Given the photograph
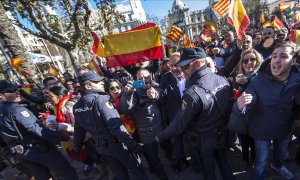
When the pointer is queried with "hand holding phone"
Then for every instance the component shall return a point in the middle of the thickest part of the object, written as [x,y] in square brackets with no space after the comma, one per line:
[138,84]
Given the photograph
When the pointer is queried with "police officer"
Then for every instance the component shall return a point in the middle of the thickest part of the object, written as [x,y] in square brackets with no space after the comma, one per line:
[30,141]
[202,113]
[94,113]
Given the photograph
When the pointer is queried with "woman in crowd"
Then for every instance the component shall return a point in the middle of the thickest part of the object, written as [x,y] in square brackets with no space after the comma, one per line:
[247,69]
[114,88]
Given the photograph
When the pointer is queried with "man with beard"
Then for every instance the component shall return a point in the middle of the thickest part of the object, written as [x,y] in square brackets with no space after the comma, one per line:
[270,113]
[266,48]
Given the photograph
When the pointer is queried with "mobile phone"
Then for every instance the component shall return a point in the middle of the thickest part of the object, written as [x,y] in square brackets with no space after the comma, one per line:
[138,84]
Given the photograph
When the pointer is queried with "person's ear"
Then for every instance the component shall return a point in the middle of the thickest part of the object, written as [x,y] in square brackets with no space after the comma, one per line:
[198,63]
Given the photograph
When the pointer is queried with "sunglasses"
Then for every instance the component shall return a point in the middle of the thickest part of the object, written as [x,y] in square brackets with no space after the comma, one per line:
[245,61]
[113,88]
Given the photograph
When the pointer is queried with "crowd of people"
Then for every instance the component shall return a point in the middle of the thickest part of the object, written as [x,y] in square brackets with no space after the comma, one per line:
[184,107]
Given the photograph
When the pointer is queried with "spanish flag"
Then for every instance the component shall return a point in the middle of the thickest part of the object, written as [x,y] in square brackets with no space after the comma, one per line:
[239,18]
[26,88]
[221,8]
[53,71]
[262,17]
[266,24]
[277,24]
[97,48]
[174,34]
[94,66]
[295,36]
[209,26]
[16,63]
[133,47]
[23,72]
[283,6]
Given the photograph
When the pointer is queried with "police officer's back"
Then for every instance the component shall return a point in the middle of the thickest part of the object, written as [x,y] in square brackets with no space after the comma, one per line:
[202,113]
[29,140]
[94,113]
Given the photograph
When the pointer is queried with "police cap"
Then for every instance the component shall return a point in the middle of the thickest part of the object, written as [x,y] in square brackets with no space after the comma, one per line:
[91,76]
[190,54]
[7,87]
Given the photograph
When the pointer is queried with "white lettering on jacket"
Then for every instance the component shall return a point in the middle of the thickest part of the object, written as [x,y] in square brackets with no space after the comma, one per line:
[81,109]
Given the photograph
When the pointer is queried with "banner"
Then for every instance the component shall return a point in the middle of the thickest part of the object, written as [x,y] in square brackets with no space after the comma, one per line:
[221,8]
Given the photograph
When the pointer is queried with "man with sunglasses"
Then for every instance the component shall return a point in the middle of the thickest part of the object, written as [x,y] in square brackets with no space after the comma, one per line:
[29,141]
[94,113]
[204,107]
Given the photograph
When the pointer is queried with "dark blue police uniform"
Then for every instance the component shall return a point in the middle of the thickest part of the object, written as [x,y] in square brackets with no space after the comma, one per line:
[94,113]
[202,116]
[19,127]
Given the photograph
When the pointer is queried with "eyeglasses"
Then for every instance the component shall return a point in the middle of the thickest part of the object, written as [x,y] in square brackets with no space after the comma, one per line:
[245,61]
[113,88]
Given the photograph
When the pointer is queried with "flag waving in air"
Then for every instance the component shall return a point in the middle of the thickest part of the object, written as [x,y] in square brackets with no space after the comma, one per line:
[262,17]
[221,8]
[174,34]
[295,36]
[238,17]
[283,6]
[133,47]
[97,48]
[277,23]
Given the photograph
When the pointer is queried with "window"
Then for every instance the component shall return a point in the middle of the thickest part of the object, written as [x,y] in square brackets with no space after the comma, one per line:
[192,20]
[199,18]
[130,17]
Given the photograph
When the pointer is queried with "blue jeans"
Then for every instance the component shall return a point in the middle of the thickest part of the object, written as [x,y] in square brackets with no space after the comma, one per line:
[262,148]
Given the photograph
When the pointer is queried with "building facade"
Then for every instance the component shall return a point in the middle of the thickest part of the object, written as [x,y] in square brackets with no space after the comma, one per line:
[189,21]
[133,13]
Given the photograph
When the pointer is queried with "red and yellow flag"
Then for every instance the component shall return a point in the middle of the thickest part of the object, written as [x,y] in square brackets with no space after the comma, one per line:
[266,24]
[26,88]
[16,62]
[53,71]
[262,17]
[283,6]
[23,72]
[187,42]
[174,34]
[97,48]
[277,24]
[221,8]
[239,18]
[209,26]
[133,47]
[94,66]
[295,36]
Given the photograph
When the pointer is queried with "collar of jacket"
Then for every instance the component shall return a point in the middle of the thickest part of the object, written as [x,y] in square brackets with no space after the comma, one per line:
[92,91]
[199,73]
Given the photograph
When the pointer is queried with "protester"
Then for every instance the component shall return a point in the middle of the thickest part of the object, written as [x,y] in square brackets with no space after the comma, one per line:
[270,112]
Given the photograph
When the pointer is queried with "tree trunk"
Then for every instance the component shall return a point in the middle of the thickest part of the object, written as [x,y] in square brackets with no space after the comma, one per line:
[12,41]
[73,53]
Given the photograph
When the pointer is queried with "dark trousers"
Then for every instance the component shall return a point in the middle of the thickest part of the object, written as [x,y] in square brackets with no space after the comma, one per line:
[246,143]
[123,165]
[151,154]
[211,151]
[41,161]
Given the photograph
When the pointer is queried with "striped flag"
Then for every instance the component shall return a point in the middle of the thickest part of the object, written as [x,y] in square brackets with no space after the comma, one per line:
[26,88]
[133,47]
[295,36]
[262,16]
[221,8]
[187,42]
[283,6]
[97,48]
[16,63]
[266,24]
[239,18]
[23,72]
[209,26]
[277,24]
[174,34]
[94,66]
